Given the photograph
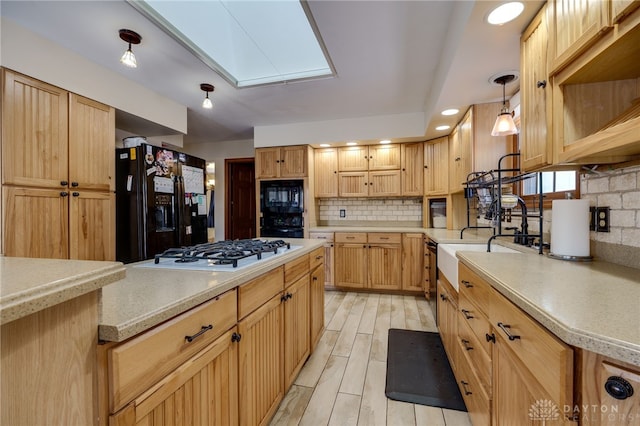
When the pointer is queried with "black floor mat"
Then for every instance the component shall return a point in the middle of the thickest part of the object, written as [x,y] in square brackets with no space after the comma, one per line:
[418,371]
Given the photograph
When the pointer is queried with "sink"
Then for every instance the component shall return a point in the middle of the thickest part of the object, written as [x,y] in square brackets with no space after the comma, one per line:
[448,262]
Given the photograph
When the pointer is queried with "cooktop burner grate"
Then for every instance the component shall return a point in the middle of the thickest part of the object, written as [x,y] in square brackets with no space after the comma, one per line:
[226,252]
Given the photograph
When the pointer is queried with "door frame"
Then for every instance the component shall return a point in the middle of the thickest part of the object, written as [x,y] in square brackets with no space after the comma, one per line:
[227,190]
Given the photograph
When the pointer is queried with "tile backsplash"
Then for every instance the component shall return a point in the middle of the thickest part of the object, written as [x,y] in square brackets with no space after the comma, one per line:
[370,210]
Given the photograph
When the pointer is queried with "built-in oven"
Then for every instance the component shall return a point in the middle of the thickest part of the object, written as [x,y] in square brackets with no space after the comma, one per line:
[432,248]
[282,209]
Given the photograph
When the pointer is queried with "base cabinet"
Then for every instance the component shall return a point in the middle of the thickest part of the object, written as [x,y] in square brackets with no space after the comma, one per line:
[448,320]
[296,328]
[316,296]
[202,391]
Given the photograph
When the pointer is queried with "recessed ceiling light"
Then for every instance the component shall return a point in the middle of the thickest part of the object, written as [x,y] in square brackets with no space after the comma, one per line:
[325,145]
[450,111]
[443,127]
[352,143]
[505,13]
[385,141]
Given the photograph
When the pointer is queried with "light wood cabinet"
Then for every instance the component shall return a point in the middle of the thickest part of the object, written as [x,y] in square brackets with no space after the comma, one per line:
[202,391]
[57,149]
[487,149]
[578,23]
[353,159]
[326,172]
[620,9]
[317,304]
[447,318]
[384,261]
[351,260]
[281,162]
[384,157]
[461,153]
[353,184]
[260,360]
[535,90]
[329,255]
[436,166]
[297,335]
[384,184]
[412,177]
[413,262]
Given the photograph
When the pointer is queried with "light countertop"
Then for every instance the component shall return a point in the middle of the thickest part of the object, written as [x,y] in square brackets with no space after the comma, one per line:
[147,297]
[30,285]
[449,236]
[592,305]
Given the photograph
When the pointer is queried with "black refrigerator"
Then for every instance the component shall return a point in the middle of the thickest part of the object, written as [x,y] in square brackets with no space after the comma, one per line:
[160,201]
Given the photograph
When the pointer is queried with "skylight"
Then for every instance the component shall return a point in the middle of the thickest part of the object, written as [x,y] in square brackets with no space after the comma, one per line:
[249,43]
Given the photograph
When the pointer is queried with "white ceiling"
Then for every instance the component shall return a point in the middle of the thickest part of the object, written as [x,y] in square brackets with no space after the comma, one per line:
[390,57]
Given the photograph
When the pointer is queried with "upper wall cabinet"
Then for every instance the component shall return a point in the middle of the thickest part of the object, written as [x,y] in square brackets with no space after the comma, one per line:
[578,23]
[35,120]
[373,157]
[535,93]
[461,153]
[596,115]
[411,177]
[281,162]
[436,166]
[326,172]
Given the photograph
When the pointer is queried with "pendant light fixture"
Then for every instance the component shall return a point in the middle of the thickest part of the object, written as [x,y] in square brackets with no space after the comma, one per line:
[128,58]
[504,123]
[206,103]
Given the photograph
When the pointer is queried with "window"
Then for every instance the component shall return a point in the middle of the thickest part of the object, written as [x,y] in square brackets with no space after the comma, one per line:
[555,185]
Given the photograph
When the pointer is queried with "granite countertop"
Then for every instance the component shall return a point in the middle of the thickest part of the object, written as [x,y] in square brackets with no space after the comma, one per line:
[440,235]
[591,305]
[147,296]
[30,285]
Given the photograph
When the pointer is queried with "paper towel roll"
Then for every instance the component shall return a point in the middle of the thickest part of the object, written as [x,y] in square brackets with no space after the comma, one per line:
[570,227]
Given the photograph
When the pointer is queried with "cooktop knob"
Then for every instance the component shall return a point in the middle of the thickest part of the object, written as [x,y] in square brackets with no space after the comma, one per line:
[618,387]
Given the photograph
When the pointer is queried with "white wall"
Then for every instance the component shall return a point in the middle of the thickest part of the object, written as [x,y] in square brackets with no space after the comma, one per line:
[408,125]
[217,152]
[35,56]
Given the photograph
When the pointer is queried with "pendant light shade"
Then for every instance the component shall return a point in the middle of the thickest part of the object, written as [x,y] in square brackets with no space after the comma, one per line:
[504,123]
[128,58]
[206,103]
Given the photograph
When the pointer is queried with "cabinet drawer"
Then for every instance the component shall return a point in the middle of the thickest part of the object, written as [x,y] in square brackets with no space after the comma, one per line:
[477,290]
[476,400]
[316,258]
[545,355]
[326,236]
[295,269]
[476,321]
[255,293]
[472,348]
[142,361]
[384,238]
[351,237]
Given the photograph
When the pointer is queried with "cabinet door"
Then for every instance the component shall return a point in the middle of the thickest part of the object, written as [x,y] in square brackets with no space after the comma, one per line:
[485,149]
[384,157]
[455,159]
[535,143]
[353,159]
[35,132]
[326,172]
[578,23]
[462,161]
[384,267]
[92,128]
[353,184]
[267,163]
[351,265]
[293,161]
[436,167]
[36,222]
[261,387]
[412,179]
[384,183]
[92,226]
[317,304]
[448,323]
[202,391]
[296,328]
[412,262]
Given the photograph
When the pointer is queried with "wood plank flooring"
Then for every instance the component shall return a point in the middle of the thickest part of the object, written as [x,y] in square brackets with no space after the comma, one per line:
[343,381]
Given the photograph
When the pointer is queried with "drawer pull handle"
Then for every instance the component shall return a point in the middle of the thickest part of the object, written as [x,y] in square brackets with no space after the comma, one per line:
[349,238]
[318,257]
[203,330]
[504,328]
[465,343]
[467,314]
[464,386]
[618,387]
[384,238]
[443,297]
[490,337]
[467,284]
[235,337]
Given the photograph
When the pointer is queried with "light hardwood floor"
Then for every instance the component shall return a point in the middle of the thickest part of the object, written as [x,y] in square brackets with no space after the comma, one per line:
[343,382]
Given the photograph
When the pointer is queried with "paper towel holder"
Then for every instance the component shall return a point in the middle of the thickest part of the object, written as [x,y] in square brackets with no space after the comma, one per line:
[571,258]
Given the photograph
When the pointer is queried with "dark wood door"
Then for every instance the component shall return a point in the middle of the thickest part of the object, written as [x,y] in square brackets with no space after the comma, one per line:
[240,215]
